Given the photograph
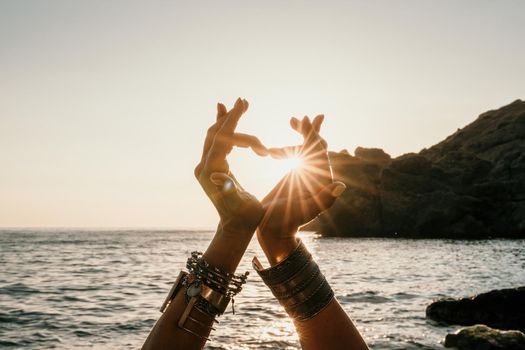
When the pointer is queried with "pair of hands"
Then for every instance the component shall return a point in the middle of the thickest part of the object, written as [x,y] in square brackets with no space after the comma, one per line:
[298,198]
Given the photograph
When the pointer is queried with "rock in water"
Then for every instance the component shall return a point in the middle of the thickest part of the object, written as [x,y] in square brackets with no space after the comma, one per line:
[481,337]
[503,309]
[470,185]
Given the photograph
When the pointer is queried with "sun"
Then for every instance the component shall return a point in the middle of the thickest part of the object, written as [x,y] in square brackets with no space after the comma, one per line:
[293,163]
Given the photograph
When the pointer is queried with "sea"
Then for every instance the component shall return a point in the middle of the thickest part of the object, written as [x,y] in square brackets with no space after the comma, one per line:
[102,289]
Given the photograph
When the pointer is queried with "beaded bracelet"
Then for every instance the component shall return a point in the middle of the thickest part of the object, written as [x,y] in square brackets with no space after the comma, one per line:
[297,283]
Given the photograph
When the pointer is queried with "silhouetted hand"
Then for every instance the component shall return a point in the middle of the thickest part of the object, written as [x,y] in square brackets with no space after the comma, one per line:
[301,195]
[239,211]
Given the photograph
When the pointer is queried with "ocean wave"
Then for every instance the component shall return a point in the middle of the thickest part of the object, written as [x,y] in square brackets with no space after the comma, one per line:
[364,297]
[18,290]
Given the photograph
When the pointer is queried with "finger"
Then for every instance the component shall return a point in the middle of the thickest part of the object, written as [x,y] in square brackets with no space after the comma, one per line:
[285,152]
[308,130]
[314,143]
[323,200]
[221,110]
[223,141]
[240,107]
[303,127]
[313,151]
[212,131]
[245,141]
[210,135]
[317,122]
[295,124]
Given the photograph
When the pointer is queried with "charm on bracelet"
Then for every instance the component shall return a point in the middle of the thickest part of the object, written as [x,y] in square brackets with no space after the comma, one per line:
[208,290]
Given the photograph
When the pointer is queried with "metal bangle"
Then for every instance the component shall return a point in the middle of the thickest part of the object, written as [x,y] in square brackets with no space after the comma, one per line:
[313,306]
[298,284]
[287,290]
[208,290]
[218,300]
[285,269]
[221,281]
[177,285]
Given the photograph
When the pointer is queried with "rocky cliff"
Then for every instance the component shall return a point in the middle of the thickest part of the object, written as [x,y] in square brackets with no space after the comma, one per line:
[470,185]
[502,309]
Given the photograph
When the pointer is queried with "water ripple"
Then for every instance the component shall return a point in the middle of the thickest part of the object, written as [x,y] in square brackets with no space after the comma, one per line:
[102,289]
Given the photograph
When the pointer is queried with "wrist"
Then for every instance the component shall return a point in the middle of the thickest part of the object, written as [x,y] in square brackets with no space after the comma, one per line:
[227,248]
[276,248]
[238,227]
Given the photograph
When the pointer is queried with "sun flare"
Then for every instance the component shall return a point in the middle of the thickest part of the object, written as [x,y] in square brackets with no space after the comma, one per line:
[293,163]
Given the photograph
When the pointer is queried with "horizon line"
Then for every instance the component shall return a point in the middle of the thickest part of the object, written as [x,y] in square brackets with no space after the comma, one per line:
[106,228]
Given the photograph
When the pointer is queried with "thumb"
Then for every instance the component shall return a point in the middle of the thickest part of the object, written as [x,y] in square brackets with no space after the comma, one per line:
[226,183]
[322,200]
[231,196]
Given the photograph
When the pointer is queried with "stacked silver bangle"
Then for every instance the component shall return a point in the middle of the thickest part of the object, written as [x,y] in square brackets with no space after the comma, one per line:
[224,282]
[207,290]
[298,284]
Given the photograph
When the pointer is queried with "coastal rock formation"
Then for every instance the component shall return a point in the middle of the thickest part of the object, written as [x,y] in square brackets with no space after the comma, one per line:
[485,338]
[470,185]
[503,309]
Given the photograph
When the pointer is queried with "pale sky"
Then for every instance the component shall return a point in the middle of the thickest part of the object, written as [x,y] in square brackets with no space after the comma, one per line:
[104,104]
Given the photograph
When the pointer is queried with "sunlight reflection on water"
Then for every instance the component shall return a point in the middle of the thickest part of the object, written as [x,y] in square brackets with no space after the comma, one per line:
[100,289]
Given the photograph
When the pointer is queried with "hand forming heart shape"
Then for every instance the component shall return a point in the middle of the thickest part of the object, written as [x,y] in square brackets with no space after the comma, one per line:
[298,198]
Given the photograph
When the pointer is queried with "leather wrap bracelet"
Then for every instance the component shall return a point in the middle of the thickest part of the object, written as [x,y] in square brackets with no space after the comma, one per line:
[297,283]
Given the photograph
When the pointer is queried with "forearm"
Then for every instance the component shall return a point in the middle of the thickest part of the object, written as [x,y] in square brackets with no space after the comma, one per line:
[329,329]
[166,334]
[227,248]
[320,321]
[224,252]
